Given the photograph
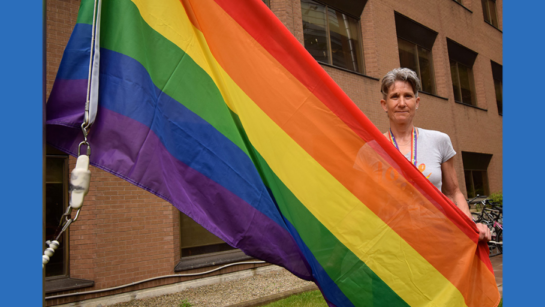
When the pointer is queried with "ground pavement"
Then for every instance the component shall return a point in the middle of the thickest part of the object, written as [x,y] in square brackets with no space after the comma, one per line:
[265,285]
[497,264]
[257,289]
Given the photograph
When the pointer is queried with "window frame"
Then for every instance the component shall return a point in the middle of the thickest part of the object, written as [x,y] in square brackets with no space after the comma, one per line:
[497,76]
[471,84]
[199,246]
[487,13]
[59,283]
[207,259]
[486,188]
[466,57]
[418,72]
[498,84]
[328,39]
[474,162]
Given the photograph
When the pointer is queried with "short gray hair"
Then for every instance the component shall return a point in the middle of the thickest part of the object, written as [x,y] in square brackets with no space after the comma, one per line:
[399,74]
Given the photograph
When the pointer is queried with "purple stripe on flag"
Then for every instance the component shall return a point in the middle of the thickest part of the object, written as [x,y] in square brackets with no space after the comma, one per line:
[67,101]
[142,160]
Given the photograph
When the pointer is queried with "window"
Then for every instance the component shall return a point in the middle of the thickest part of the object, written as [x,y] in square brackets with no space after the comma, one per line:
[56,202]
[267,2]
[196,240]
[332,37]
[415,42]
[497,74]
[418,59]
[200,248]
[489,12]
[462,82]
[461,63]
[476,176]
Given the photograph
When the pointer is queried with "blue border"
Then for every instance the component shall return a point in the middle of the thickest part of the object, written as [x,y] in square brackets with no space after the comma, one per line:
[21,130]
[524,116]
[21,85]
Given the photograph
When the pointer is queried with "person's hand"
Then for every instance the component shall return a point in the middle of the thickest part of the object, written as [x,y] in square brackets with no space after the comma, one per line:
[484,232]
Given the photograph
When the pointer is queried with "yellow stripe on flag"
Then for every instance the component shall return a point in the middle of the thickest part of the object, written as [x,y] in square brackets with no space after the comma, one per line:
[401,267]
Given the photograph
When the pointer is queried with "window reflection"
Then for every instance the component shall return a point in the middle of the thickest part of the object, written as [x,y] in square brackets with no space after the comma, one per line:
[331,38]
[314,30]
[462,83]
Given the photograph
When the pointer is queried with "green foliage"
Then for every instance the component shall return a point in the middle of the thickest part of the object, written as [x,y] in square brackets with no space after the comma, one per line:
[305,299]
[185,303]
[497,198]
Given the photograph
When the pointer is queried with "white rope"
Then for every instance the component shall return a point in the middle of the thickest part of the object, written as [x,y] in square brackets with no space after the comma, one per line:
[91,102]
[81,176]
[93,95]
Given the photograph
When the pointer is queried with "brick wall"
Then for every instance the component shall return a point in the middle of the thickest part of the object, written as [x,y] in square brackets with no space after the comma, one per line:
[61,18]
[470,129]
[124,233]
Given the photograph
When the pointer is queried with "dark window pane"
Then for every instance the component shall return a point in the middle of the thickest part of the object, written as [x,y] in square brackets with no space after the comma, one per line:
[343,32]
[499,96]
[466,83]
[55,198]
[455,81]
[197,240]
[267,2]
[426,70]
[469,184]
[314,30]
[492,9]
[476,176]
[485,10]
[407,54]
[480,182]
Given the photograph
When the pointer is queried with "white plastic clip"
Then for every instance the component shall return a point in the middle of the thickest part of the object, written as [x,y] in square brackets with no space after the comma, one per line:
[79,182]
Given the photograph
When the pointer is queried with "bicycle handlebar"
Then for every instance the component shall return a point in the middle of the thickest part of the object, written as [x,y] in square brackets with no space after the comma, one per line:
[478,196]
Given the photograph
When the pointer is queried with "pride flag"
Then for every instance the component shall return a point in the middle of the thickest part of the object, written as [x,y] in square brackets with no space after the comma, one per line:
[215,107]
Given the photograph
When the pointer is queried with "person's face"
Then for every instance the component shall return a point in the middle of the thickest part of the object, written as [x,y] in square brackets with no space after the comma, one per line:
[401,103]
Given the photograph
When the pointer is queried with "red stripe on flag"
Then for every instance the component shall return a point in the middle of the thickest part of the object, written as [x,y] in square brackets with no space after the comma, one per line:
[287,50]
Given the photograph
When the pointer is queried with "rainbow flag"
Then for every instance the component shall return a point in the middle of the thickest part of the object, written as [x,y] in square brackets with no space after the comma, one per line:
[215,107]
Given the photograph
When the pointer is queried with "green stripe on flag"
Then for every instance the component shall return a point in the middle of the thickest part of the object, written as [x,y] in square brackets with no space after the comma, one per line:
[175,72]
[355,279]
[85,13]
[171,69]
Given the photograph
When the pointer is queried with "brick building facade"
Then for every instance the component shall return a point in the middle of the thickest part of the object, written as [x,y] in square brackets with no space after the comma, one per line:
[125,234]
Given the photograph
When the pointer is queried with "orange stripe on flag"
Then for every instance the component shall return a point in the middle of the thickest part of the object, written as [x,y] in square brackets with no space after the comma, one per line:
[335,146]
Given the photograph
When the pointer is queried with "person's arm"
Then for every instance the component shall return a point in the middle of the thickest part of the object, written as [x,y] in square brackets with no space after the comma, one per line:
[452,191]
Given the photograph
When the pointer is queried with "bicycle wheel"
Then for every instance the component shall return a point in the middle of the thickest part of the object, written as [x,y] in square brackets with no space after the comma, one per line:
[496,245]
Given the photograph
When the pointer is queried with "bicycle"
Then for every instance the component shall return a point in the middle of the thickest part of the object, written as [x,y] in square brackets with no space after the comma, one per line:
[495,245]
[492,216]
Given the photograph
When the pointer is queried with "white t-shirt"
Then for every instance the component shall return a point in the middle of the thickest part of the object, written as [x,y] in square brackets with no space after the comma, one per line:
[433,148]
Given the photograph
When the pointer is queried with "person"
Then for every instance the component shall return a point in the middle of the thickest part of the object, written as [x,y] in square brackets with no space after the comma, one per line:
[432,152]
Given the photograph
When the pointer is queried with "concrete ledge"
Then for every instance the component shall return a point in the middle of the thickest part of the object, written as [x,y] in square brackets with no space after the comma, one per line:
[201,261]
[169,289]
[275,297]
[64,284]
